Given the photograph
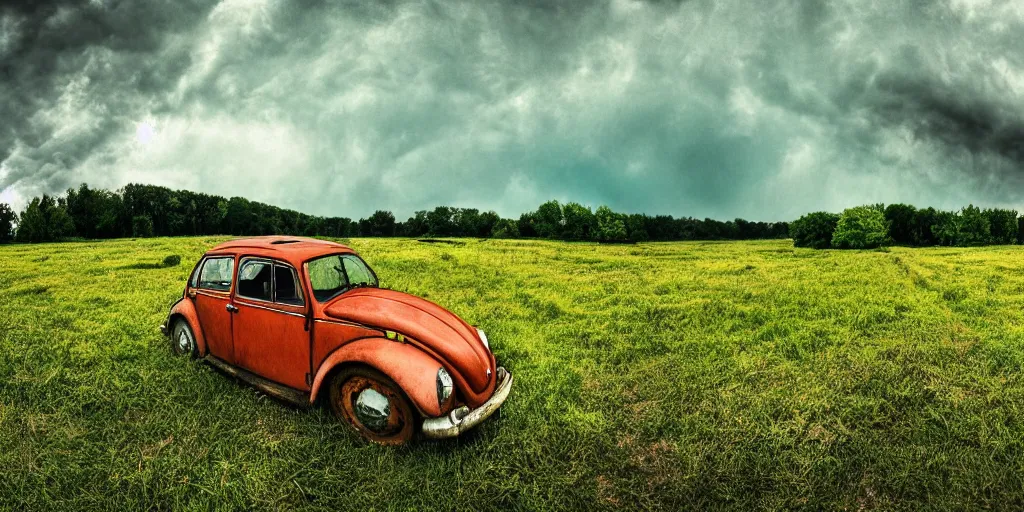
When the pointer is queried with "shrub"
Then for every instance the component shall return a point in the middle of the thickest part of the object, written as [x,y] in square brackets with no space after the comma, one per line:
[814,230]
[861,227]
[172,261]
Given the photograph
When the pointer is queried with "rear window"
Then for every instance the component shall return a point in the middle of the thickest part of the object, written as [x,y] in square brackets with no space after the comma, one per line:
[254,280]
[286,286]
[269,281]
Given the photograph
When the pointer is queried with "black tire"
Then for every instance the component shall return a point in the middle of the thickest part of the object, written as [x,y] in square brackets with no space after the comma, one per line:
[183,340]
[346,387]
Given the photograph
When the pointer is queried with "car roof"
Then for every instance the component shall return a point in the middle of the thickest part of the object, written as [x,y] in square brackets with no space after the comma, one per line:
[294,250]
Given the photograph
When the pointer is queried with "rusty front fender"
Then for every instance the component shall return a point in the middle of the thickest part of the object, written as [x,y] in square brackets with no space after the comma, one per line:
[186,309]
[412,369]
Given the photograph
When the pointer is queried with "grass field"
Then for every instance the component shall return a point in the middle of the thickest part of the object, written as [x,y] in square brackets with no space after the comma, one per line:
[656,376]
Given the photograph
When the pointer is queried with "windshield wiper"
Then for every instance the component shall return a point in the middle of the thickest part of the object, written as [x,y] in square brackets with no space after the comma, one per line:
[362,285]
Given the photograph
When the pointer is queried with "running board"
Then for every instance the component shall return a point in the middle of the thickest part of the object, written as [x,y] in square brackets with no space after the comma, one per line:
[279,391]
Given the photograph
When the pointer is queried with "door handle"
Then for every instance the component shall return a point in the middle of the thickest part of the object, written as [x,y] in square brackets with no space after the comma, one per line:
[232,308]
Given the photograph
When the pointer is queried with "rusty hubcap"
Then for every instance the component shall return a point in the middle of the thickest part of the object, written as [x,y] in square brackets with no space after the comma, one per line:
[373,410]
[368,404]
[184,343]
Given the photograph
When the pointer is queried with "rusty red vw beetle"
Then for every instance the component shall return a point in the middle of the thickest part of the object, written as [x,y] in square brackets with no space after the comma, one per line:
[301,318]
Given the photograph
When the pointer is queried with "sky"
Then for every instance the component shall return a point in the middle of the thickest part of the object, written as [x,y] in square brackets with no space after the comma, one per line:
[762,110]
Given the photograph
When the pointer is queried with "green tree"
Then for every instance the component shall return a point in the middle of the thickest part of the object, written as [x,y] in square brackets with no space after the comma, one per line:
[32,224]
[60,223]
[238,217]
[505,228]
[316,225]
[439,221]
[946,228]
[901,223]
[548,220]
[861,227]
[338,227]
[925,220]
[465,221]
[611,227]
[579,223]
[1002,226]
[527,225]
[7,221]
[381,223]
[486,224]
[974,227]
[636,227]
[142,226]
[416,225]
[814,230]
[968,227]
[44,220]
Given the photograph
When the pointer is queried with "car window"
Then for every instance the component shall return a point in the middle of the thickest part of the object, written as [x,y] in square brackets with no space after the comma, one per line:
[286,286]
[193,278]
[357,271]
[254,279]
[332,275]
[326,276]
[216,274]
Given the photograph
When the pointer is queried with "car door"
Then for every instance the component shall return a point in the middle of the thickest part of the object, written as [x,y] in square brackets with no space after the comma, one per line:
[212,298]
[269,326]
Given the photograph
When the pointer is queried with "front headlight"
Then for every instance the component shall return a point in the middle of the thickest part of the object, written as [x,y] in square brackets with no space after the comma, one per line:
[444,386]
[483,337]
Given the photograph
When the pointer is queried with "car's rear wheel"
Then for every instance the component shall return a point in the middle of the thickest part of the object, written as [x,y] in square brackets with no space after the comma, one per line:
[373,404]
[183,340]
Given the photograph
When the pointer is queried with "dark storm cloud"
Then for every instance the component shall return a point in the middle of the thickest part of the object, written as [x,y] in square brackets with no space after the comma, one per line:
[113,56]
[943,113]
[692,107]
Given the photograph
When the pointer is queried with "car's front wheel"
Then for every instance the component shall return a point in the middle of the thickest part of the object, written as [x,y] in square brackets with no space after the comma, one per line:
[373,404]
[183,340]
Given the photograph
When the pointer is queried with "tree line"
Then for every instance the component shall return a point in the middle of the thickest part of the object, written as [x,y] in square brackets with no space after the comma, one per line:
[148,210]
[866,227]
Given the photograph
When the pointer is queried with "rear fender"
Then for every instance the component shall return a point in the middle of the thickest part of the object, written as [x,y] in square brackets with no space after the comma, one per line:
[412,369]
[185,309]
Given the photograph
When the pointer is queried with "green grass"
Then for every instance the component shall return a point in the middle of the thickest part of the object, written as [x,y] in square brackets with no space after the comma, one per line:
[656,376]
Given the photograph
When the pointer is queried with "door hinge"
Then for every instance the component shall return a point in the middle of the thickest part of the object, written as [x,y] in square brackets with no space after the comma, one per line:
[309,379]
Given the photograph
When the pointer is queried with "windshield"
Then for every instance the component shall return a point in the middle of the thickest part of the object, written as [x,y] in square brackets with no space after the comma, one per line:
[332,275]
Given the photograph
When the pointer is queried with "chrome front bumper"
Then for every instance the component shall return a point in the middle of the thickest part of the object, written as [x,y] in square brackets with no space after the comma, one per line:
[463,419]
